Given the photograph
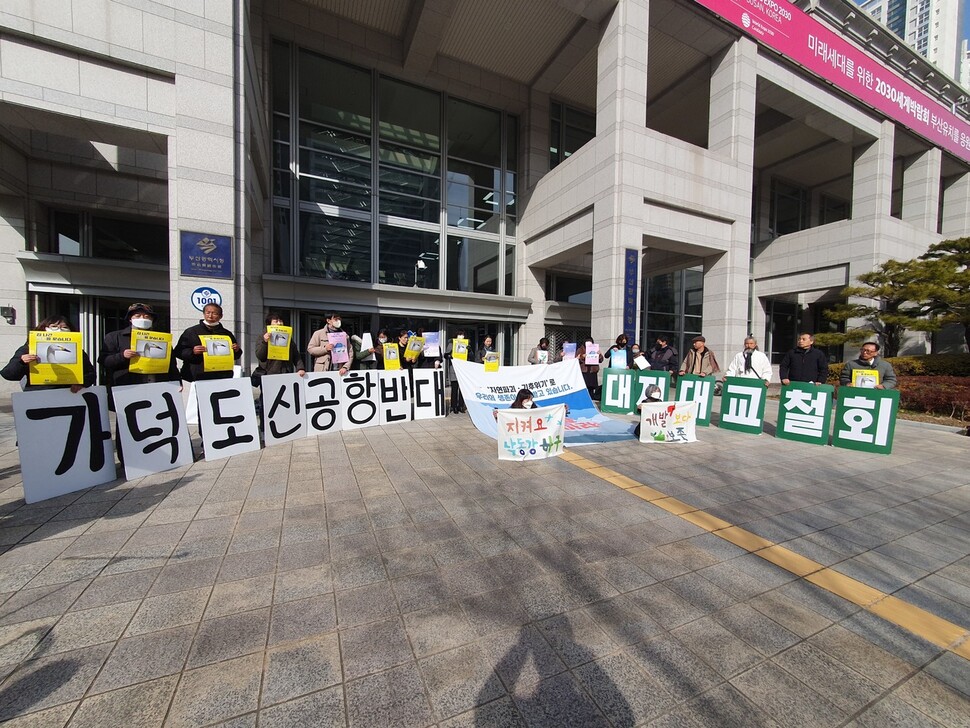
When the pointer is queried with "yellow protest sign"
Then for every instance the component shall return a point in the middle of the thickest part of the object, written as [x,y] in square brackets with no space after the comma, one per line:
[59,357]
[459,349]
[865,378]
[414,348]
[279,342]
[491,361]
[392,356]
[154,350]
[217,356]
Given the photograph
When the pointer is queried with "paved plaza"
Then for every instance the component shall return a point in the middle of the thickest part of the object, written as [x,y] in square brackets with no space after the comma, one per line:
[403,576]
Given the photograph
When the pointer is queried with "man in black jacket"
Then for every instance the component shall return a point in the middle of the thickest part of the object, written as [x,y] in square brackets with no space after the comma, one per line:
[804,363]
[116,352]
[189,347]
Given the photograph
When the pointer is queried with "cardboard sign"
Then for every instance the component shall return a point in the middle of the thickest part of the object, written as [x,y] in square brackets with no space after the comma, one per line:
[743,405]
[340,353]
[531,434]
[805,412]
[218,354]
[414,348]
[865,419]
[392,356]
[64,441]
[278,346]
[428,390]
[618,359]
[865,378]
[492,361]
[542,356]
[284,402]
[152,428]
[640,361]
[592,355]
[227,417]
[569,351]
[324,407]
[668,422]
[459,349]
[366,344]
[154,349]
[59,357]
[695,388]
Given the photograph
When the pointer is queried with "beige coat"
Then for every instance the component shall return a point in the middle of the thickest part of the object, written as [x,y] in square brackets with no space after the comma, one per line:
[317,348]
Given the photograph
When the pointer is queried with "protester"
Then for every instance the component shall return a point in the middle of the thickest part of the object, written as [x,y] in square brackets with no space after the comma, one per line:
[699,360]
[381,339]
[804,363]
[540,353]
[523,400]
[750,363]
[651,394]
[425,361]
[265,365]
[116,354]
[402,344]
[589,371]
[321,347]
[662,356]
[457,398]
[622,343]
[869,359]
[190,349]
[19,365]
[487,347]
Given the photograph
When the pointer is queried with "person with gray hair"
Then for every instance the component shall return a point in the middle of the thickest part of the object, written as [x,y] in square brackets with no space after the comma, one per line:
[750,363]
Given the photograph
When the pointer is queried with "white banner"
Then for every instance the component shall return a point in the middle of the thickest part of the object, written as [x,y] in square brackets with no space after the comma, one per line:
[531,434]
[227,417]
[284,402]
[64,441]
[152,429]
[668,422]
[559,383]
[428,390]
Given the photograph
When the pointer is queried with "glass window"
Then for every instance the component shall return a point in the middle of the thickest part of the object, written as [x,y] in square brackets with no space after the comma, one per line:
[67,233]
[509,270]
[408,257]
[569,129]
[281,78]
[833,210]
[410,115]
[789,208]
[474,133]
[282,258]
[334,248]
[662,293]
[142,242]
[472,265]
[693,292]
[334,94]
[326,192]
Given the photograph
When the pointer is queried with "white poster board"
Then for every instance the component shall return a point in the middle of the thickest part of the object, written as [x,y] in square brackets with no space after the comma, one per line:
[531,434]
[64,441]
[227,417]
[360,398]
[152,428]
[324,403]
[284,405]
[428,390]
[663,422]
[395,397]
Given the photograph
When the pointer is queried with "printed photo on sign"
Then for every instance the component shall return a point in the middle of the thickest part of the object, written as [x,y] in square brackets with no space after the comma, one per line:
[569,351]
[459,349]
[592,354]
[865,378]
[278,344]
[668,422]
[64,441]
[284,400]
[395,398]
[392,356]
[152,428]
[491,361]
[59,357]
[324,403]
[340,353]
[432,344]
[531,434]
[227,417]
[414,348]
[154,349]
[218,354]
[428,389]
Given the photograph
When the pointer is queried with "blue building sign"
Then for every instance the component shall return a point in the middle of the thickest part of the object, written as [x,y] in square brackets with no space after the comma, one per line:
[631,270]
[206,256]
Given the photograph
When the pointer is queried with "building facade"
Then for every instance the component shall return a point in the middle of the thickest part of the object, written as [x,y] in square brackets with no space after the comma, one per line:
[516,170]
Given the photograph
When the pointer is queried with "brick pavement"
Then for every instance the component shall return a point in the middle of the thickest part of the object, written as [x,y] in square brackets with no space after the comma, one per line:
[403,576]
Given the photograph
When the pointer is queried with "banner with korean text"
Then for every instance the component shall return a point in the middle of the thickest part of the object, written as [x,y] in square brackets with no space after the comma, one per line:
[623,390]
[805,412]
[865,419]
[743,405]
[668,422]
[531,434]
[152,429]
[695,388]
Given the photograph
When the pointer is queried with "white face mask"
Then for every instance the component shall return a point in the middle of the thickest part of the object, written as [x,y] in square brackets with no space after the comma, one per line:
[382,339]
[335,324]
[141,323]
[56,328]
[527,404]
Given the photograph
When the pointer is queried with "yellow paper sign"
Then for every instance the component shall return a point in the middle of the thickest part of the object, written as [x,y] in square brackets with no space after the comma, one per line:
[218,354]
[459,349]
[491,361]
[279,342]
[154,350]
[865,378]
[392,356]
[414,348]
[59,355]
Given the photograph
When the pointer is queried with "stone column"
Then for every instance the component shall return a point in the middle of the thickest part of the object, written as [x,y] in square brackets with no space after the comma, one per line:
[956,207]
[872,176]
[921,189]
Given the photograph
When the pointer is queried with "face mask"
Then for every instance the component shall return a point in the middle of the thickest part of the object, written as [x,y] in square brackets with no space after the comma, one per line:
[527,404]
[336,324]
[635,352]
[56,329]
[141,323]
[210,324]
[382,340]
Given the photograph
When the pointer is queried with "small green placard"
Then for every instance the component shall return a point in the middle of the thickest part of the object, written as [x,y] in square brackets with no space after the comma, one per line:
[743,405]
[805,412]
[617,392]
[694,388]
[865,419]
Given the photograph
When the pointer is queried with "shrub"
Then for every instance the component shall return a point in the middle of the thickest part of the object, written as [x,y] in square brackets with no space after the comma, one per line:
[938,395]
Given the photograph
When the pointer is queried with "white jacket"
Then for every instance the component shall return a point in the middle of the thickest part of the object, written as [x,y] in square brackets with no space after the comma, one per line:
[760,364]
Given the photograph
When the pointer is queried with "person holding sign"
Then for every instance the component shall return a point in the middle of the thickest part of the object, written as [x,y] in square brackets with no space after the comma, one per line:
[619,354]
[136,354]
[208,349]
[868,371]
[328,346]
[27,360]
[276,353]
[750,363]
[590,358]
[540,353]
[486,348]
[457,349]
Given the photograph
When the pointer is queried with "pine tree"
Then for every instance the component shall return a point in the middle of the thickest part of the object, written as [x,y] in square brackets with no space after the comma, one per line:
[945,296]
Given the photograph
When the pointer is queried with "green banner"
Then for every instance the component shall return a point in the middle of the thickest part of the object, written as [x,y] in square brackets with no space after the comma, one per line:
[617,392]
[865,419]
[694,388]
[743,405]
[805,412]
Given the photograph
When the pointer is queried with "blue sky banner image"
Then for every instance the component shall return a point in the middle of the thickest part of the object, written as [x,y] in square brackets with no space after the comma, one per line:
[551,384]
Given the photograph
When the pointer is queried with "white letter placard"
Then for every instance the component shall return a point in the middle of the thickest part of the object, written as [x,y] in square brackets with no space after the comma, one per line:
[361,398]
[152,428]
[64,441]
[428,391]
[395,397]
[531,434]
[324,405]
[227,417]
[284,416]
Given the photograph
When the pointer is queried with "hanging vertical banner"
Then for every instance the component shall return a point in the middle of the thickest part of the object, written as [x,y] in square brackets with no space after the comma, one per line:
[227,417]
[64,441]
[278,345]
[743,405]
[324,408]
[695,388]
[531,434]
[152,429]
[428,390]
[617,392]
[668,422]
[631,272]
[865,419]
[805,412]
[395,396]
[284,405]
[218,355]
[658,378]
[360,398]
[59,357]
